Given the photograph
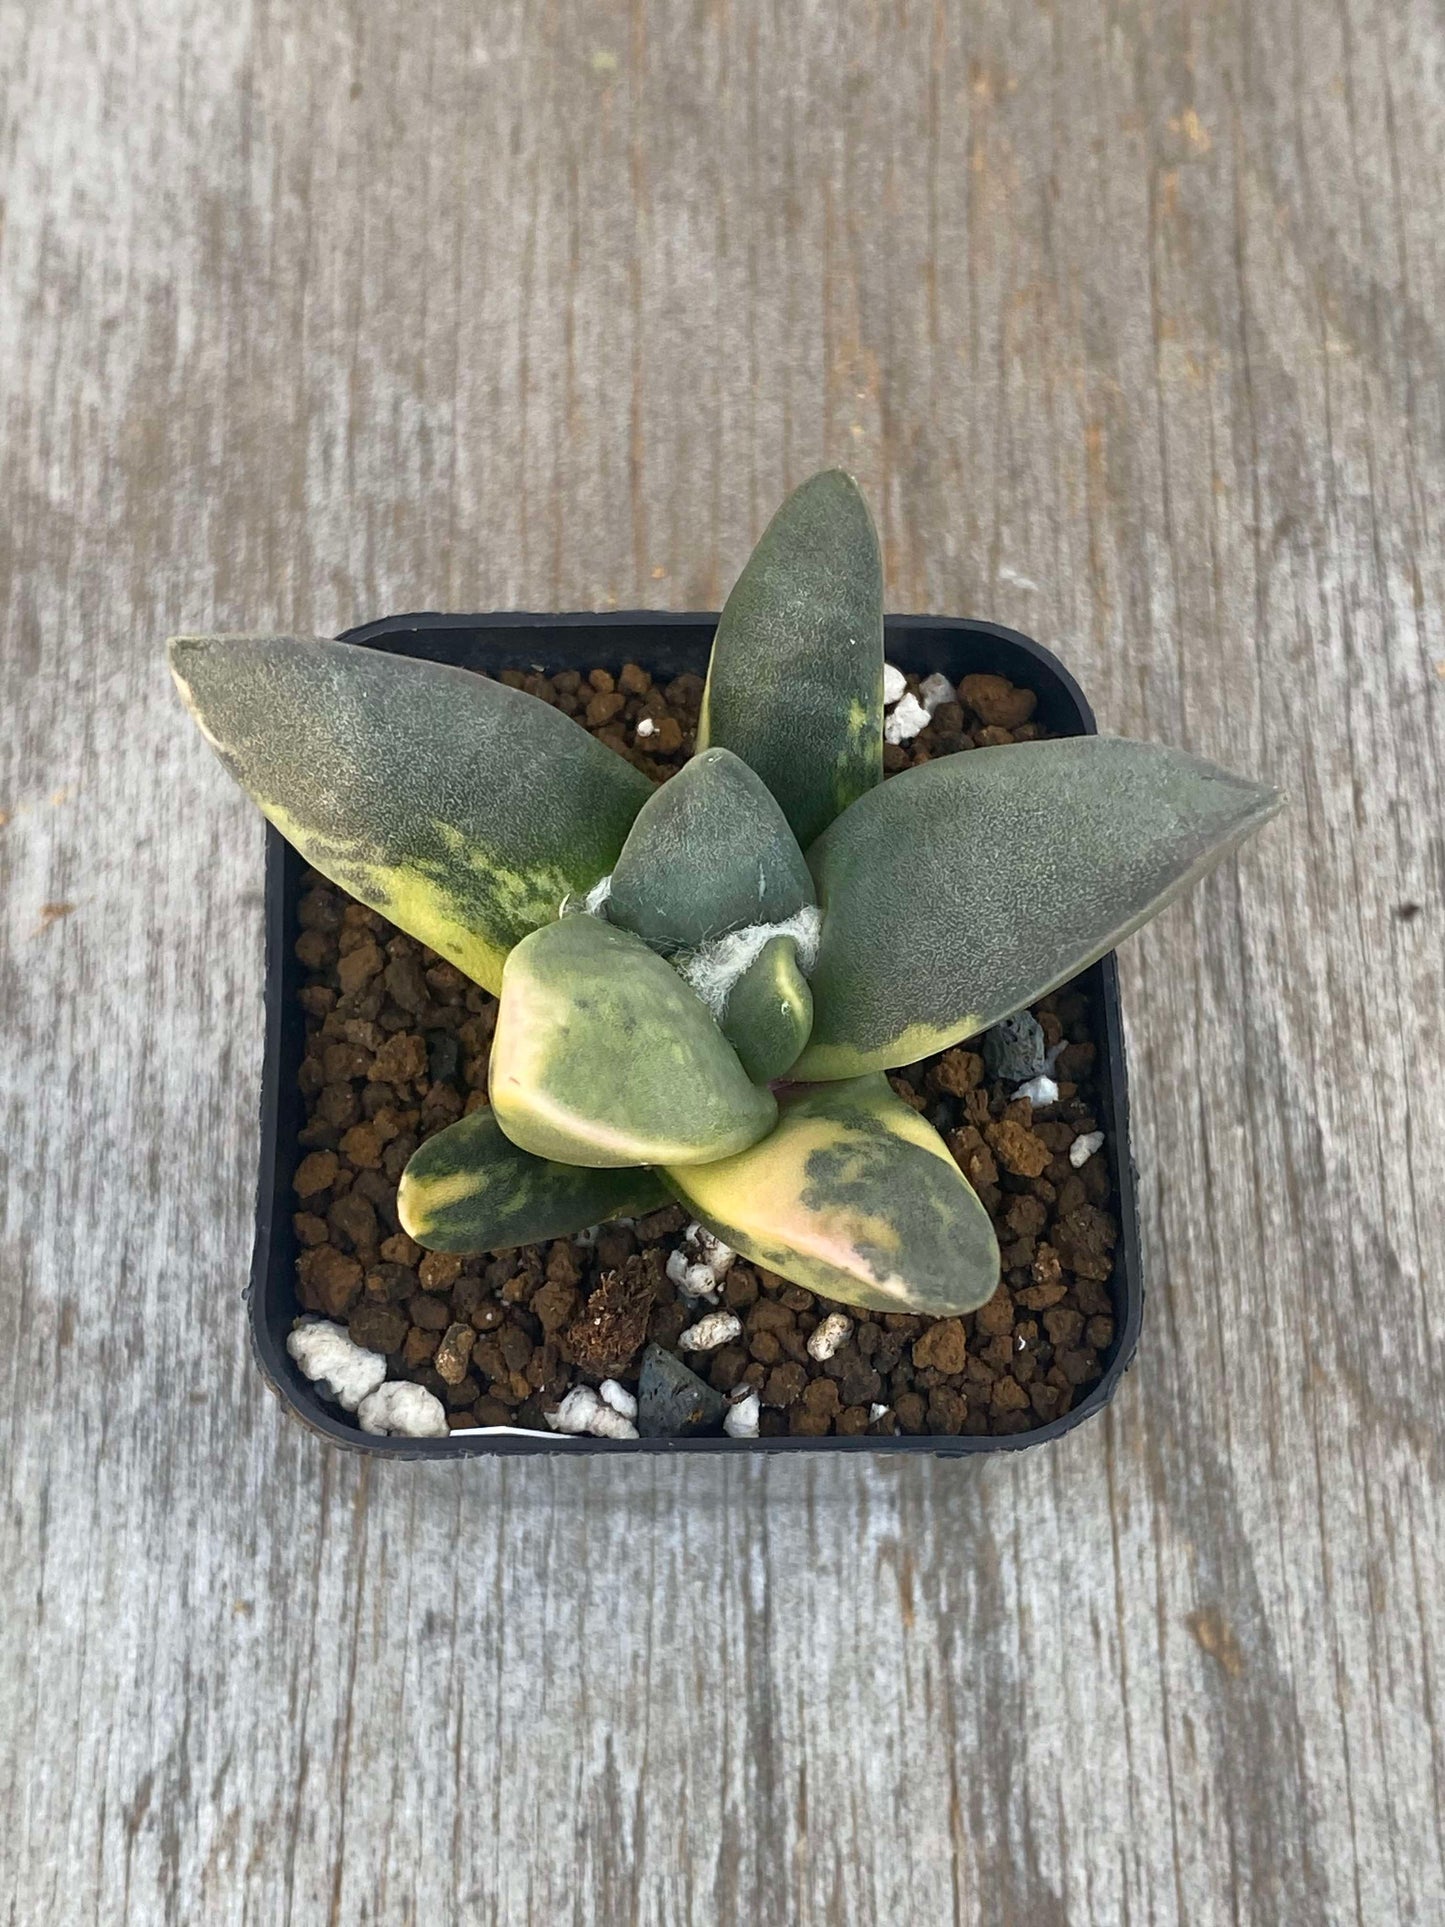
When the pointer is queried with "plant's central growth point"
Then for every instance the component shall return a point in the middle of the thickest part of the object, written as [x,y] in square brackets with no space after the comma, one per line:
[714,969]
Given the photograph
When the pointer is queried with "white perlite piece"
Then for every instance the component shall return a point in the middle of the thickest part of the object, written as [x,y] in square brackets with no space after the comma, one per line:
[1083,1148]
[934,692]
[894,684]
[876,1412]
[583,1411]
[740,1421]
[576,1412]
[408,1411]
[601,1416]
[608,1424]
[692,1279]
[713,968]
[343,1370]
[711,1251]
[647,727]
[1039,1091]
[618,1397]
[718,1328]
[904,722]
[829,1335]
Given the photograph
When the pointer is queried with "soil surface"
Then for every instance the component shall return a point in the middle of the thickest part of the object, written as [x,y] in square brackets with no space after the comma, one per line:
[397,1046]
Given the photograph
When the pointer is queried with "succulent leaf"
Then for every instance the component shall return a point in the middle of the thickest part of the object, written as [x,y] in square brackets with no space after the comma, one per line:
[603,1056]
[470,1188]
[769,1012]
[710,852]
[795,684]
[853,1196]
[972,885]
[461,809]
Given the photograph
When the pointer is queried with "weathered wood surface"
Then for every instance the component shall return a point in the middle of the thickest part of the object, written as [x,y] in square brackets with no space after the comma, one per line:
[1129,319]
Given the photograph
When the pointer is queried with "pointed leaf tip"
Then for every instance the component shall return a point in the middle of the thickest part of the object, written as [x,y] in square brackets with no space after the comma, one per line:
[970,886]
[470,1188]
[463,810]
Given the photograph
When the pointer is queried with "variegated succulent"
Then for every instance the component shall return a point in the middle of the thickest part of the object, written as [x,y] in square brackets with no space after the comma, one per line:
[702,985]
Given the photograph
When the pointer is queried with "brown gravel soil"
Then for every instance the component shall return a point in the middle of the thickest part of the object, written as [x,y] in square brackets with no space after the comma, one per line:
[397,1046]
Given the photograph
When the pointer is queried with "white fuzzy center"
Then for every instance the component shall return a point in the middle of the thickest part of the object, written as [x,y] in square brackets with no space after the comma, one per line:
[713,968]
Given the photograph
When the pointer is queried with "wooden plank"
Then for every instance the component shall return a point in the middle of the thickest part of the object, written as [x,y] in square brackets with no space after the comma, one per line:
[1128,319]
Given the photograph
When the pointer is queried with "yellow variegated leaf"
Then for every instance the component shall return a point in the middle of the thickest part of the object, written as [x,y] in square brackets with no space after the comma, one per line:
[853,1196]
[604,1056]
[463,810]
[470,1188]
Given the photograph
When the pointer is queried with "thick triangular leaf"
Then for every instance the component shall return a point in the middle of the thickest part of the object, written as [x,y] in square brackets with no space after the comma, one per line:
[853,1196]
[470,1188]
[968,887]
[769,1012]
[603,1056]
[710,852]
[795,685]
[461,809]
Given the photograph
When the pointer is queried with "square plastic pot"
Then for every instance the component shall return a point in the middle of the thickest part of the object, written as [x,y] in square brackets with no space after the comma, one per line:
[666,646]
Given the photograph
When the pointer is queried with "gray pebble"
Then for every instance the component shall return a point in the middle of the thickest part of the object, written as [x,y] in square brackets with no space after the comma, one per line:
[1015,1050]
[672,1401]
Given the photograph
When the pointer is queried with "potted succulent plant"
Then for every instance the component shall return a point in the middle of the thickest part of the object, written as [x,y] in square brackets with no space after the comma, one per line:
[707,993]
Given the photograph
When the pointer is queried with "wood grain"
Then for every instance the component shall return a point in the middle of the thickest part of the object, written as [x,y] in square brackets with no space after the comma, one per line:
[1128,318]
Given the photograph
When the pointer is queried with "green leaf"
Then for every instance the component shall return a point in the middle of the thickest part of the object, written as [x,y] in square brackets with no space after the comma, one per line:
[461,809]
[853,1196]
[968,887]
[710,852]
[603,1056]
[795,685]
[769,1011]
[469,1188]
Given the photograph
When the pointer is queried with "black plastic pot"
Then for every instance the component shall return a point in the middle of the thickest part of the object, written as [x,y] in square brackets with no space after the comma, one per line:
[666,645]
